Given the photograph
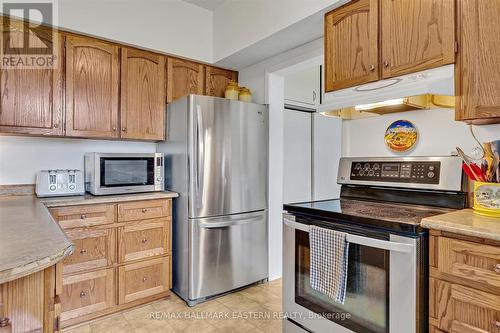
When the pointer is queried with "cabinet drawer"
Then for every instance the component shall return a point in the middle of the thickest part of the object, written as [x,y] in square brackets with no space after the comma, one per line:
[92,249]
[143,279]
[470,261]
[146,239]
[139,210]
[87,293]
[83,216]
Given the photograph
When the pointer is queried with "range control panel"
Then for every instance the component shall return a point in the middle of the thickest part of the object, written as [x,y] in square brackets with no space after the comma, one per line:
[400,172]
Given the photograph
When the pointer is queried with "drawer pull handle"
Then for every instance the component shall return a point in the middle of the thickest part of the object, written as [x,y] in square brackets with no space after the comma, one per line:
[497,268]
[144,241]
[497,324]
[83,216]
[144,279]
[4,322]
[144,210]
[372,68]
[386,64]
[82,294]
[83,251]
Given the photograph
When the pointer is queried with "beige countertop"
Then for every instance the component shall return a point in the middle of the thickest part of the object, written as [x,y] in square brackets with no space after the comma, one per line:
[465,222]
[30,239]
[89,199]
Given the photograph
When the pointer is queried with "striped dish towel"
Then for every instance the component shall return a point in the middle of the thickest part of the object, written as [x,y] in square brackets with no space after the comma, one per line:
[329,256]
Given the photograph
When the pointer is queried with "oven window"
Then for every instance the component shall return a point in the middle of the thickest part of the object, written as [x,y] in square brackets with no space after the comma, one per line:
[129,171]
[366,307]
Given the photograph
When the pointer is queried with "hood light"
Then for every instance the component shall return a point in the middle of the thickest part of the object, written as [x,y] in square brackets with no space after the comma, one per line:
[391,102]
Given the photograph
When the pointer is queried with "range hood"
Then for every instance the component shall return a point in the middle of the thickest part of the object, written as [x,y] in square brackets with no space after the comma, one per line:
[423,90]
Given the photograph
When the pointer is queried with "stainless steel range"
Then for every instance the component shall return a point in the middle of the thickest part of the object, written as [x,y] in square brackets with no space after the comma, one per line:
[380,208]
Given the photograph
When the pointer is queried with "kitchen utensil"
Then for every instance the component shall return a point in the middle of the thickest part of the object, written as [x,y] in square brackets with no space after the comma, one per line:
[488,162]
[475,170]
[468,171]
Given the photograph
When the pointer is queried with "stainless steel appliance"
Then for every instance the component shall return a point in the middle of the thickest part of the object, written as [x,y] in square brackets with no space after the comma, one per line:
[216,159]
[56,183]
[381,205]
[116,173]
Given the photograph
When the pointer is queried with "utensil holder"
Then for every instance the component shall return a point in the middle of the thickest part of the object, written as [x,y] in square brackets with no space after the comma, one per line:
[487,199]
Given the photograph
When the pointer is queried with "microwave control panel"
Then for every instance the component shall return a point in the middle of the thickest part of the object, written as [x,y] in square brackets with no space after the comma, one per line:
[398,172]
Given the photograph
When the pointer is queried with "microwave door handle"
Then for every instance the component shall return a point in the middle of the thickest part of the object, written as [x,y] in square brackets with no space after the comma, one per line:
[360,240]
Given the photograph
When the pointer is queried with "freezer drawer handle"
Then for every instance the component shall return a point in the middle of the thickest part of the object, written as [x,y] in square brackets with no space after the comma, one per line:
[366,241]
[231,223]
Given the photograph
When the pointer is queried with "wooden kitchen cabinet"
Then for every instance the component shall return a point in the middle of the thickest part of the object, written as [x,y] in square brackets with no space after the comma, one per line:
[184,77]
[477,73]
[464,284]
[416,35]
[217,79]
[31,99]
[143,89]
[351,45]
[92,88]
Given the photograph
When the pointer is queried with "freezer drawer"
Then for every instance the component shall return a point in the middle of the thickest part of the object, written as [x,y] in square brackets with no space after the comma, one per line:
[226,253]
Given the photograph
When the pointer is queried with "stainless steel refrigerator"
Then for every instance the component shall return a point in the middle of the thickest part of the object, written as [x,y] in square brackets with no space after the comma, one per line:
[216,158]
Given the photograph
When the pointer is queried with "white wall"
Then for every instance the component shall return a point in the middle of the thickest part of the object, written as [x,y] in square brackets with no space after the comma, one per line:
[22,157]
[241,23]
[172,26]
[439,134]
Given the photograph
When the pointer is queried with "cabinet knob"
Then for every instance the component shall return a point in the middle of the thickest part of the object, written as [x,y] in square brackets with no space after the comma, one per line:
[82,294]
[83,251]
[497,268]
[124,129]
[56,125]
[144,279]
[497,324]
[4,322]
[386,63]
[372,68]
[144,210]
[144,241]
[83,216]
[114,129]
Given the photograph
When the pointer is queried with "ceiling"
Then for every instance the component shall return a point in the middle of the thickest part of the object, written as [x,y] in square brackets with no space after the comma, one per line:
[207,4]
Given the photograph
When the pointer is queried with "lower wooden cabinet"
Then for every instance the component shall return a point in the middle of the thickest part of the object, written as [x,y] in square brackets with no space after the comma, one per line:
[143,279]
[121,257]
[464,288]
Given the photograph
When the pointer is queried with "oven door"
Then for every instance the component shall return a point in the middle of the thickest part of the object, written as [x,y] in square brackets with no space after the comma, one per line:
[381,286]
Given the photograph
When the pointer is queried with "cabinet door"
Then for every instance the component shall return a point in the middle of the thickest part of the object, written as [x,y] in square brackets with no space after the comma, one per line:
[351,50]
[143,89]
[184,78]
[92,84]
[30,99]
[462,309]
[303,89]
[478,64]
[216,80]
[416,35]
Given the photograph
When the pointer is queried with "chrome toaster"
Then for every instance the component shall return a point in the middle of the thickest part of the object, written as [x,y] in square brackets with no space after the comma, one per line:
[56,183]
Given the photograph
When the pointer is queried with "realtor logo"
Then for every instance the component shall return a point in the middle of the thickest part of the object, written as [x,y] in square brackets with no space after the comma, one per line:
[28,40]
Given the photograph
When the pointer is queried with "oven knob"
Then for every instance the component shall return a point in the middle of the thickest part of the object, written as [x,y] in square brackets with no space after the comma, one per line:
[367,166]
[71,187]
[52,188]
[361,173]
[159,179]
[358,166]
[376,166]
[430,174]
[371,173]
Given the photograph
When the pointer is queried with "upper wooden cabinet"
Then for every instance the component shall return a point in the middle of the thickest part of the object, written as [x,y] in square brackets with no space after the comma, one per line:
[216,80]
[413,36]
[351,45]
[416,35]
[184,77]
[92,73]
[30,99]
[477,72]
[143,91]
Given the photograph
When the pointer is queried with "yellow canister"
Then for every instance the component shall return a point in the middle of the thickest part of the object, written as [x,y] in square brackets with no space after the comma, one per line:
[232,90]
[487,199]
[245,95]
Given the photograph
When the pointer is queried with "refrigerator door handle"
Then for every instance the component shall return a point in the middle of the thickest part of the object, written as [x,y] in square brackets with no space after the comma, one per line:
[200,155]
[231,223]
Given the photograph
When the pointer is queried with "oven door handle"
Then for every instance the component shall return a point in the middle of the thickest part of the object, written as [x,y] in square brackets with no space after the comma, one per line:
[366,241]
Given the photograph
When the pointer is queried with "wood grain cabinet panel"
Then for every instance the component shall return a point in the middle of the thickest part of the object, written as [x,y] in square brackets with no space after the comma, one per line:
[184,77]
[93,248]
[83,216]
[217,79]
[477,73]
[143,89]
[351,45]
[145,239]
[143,279]
[416,35]
[470,261]
[140,210]
[465,310]
[87,293]
[31,99]
[92,85]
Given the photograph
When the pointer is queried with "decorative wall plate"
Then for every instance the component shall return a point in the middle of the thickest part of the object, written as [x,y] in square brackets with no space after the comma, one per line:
[401,136]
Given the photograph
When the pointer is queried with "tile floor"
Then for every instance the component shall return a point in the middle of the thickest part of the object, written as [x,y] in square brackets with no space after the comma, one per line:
[254,309]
